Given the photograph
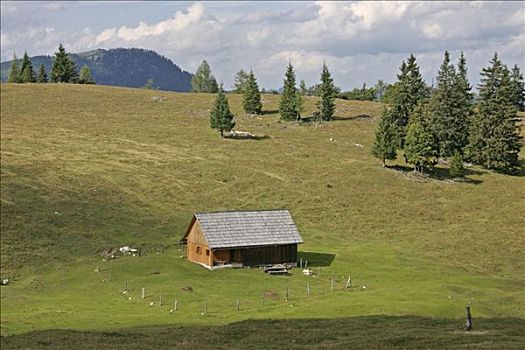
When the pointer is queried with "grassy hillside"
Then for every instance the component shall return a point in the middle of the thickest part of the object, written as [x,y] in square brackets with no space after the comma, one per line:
[88,167]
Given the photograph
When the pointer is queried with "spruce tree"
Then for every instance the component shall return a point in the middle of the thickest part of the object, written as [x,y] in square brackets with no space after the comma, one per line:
[408,92]
[85,75]
[385,142]
[289,107]
[252,96]
[42,74]
[27,75]
[495,140]
[241,79]
[14,72]
[203,79]
[221,118]
[64,69]
[420,146]
[326,105]
[462,79]
[518,88]
[449,111]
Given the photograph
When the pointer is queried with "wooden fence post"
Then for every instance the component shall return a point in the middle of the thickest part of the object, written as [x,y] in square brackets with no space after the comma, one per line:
[205,305]
[308,287]
[348,283]
[160,300]
[126,287]
[175,305]
[286,295]
[143,292]
[332,284]
[237,306]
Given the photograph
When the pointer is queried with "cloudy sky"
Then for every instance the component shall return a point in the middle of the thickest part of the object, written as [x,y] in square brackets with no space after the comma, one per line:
[360,41]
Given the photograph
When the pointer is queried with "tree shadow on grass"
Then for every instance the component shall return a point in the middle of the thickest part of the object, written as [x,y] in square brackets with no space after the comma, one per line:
[361,332]
[316,259]
[438,174]
[247,137]
[269,111]
[354,117]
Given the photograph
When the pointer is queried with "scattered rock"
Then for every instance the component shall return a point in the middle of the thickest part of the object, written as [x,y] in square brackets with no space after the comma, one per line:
[187,289]
[158,98]
[359,145]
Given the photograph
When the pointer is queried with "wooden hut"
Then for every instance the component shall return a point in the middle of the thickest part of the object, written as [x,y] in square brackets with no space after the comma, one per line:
[242,238]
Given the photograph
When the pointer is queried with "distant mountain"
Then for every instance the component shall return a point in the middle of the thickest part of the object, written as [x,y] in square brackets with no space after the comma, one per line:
[122,67]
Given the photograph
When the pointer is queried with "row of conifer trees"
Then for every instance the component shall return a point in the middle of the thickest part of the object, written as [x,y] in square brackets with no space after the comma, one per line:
[63,70]
[291,103]
[445,122]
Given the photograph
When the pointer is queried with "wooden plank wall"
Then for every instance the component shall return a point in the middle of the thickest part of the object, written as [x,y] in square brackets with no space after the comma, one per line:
[269,255]
[197,249]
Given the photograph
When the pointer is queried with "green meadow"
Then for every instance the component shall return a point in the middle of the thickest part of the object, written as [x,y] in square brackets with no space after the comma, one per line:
[86,168]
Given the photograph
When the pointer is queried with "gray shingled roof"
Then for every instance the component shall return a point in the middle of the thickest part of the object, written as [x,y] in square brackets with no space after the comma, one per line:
[248,228]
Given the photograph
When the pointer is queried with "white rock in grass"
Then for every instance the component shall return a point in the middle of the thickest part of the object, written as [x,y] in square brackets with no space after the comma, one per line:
[151,304]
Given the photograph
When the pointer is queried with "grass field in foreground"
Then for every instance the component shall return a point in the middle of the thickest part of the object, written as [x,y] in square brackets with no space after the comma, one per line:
[374,332]
[87,167]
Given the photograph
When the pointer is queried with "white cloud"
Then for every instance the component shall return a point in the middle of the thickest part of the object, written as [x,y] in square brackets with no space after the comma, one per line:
[360,41]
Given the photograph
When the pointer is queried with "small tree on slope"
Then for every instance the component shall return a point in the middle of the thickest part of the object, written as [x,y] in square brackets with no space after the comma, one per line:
[385,143]
[326,105]
[252,96]
[221,118]
[14,72]
[64,69]
[288,105]
[420,144]
[42,75]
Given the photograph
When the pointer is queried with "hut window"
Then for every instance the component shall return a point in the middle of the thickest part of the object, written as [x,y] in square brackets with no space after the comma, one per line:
[207,252]
[199,251]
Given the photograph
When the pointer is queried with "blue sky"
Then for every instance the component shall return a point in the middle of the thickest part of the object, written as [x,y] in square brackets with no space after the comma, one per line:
[360,41]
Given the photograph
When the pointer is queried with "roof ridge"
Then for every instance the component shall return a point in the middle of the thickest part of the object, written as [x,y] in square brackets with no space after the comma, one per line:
[239,211]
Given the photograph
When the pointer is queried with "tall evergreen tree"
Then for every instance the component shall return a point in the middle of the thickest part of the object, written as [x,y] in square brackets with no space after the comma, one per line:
[495,140]
[42,74]
[420,146]
[64,69]
[289,107]
[385,143]
[449,110]
[518,88]
[14,72]
[408,92]
[462,77]
[221,118]
[241,79]
[203,80]
[27,75]
[326,105]
[85,76]
[252,96]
